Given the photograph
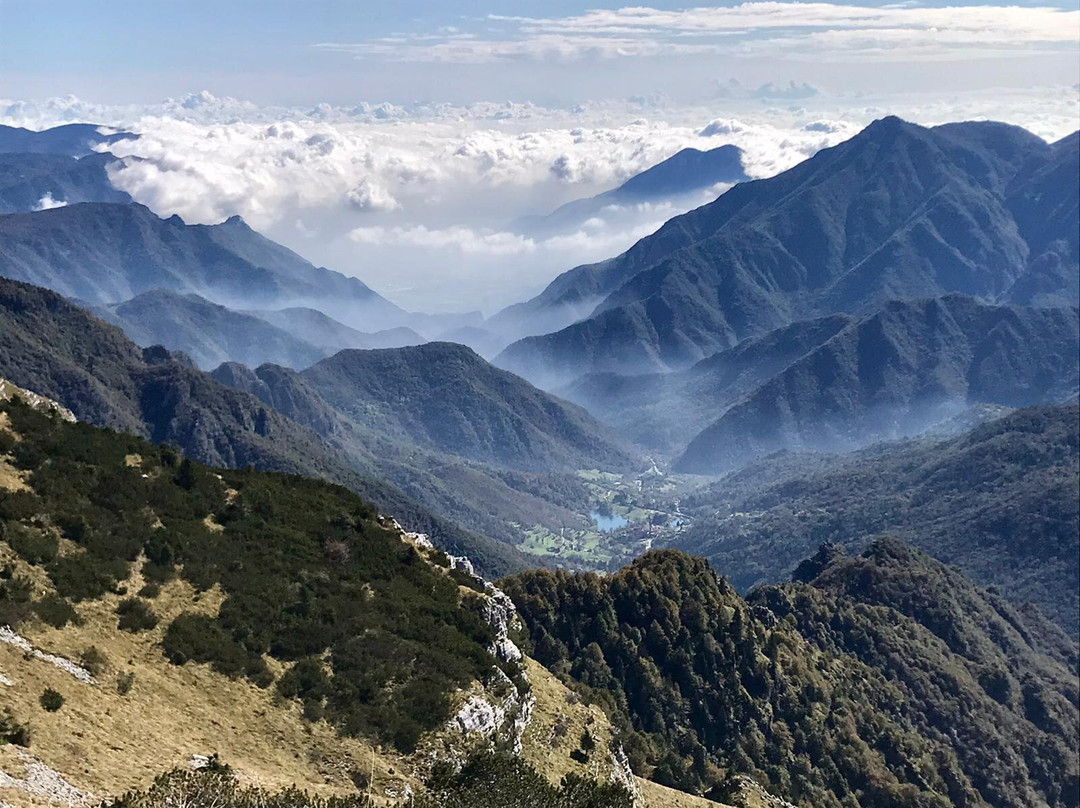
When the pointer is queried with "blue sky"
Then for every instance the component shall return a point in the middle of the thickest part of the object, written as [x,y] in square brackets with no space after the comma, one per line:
[268,51]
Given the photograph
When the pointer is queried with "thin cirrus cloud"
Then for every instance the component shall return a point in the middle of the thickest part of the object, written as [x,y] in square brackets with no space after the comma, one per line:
[806,31]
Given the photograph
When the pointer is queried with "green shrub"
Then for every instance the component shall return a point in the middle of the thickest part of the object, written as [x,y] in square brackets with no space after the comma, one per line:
[55,611]
[216,786]
[84,576]
[135,616]
[51,700]
[15,594]
[150,590]
[33,545]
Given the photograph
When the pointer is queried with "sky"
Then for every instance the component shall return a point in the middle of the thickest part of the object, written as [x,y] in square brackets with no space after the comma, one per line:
[397,141]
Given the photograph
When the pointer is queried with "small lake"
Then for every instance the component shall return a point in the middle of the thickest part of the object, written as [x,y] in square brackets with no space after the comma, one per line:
[605,524]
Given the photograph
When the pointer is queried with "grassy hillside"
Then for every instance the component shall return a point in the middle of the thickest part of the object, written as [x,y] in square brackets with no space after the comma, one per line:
[168,611]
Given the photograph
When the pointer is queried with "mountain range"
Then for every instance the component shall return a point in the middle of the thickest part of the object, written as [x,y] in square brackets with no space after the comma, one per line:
[998,501]
[911,365]
[672,180]
[437,427]
[898,211]
[53,348]
[104,254]
[68,140]
[811,454]
[289,626]
[35,181]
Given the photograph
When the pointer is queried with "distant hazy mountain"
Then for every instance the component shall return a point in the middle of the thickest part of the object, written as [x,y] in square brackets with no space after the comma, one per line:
[104,253]
[681,174]
[444,396]
[998,501]
[69,140]
[911,365]
[493,501]
[898,211]
[30,182]
[53,348]
[1045,200]
[316,328]
[663,411]
[210,334]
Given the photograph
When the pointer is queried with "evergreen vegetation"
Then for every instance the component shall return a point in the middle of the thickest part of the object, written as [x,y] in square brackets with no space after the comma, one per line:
[376,638]
[902,687]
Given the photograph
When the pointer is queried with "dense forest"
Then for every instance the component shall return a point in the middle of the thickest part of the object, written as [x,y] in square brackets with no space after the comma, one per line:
[1000,501]
[885,680]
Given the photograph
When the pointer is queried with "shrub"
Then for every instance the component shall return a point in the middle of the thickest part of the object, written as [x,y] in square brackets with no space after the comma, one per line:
[51,700]
[135,616]
[124,682]
[15,605]
[56,611]
[85,576]
[35,546]
[94,660]
[216,786]
[11,731]
[150,590]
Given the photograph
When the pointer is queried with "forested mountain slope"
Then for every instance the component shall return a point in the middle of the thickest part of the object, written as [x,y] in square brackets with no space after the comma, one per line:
[999,502]
[893,374]
[883,681]
[53,348]
[898,211]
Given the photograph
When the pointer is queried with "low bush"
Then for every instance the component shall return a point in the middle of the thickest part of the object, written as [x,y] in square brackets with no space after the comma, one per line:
[51,700]
[55,611]
[135,616]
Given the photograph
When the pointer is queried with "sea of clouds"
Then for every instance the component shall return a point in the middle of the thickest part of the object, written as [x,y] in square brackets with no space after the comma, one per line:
[418,200]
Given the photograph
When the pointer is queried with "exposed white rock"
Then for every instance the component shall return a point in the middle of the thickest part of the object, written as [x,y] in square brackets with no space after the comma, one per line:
[5,681]
[41,781]
[478,716]
[38,402]
[499,612]
[623,775]
[9,637]
[462,563]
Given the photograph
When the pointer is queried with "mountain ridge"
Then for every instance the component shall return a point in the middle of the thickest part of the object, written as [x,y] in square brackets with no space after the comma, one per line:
[897,211]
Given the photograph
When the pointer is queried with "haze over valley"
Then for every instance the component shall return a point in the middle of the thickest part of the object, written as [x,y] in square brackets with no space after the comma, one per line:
[458,407]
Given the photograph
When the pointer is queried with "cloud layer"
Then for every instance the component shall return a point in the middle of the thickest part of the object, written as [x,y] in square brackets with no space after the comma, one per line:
[418,200]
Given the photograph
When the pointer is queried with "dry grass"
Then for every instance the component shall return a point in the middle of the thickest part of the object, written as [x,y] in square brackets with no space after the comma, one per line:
[11,478]
[549,750]
[106,743]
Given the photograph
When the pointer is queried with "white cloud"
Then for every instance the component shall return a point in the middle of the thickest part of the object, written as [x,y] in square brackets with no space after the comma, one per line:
[421,197]
[462,239]
[806,30]
[370,196]
[48,203]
